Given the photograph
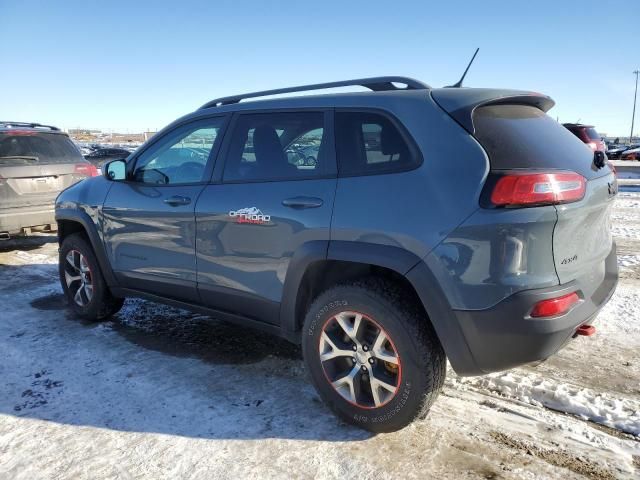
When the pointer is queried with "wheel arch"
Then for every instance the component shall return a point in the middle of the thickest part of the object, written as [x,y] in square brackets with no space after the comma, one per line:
[72,221]
[319,265]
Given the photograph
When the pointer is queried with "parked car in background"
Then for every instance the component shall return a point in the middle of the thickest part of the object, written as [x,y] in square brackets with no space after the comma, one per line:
[631,154]
[614,151]
[37,162]
[587,134]
[102,155]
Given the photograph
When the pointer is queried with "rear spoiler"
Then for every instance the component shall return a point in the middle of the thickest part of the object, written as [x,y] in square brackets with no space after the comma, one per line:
[460,103]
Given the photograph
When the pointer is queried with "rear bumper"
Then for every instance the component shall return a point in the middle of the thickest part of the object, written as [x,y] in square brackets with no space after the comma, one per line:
[504,336]
[14,220]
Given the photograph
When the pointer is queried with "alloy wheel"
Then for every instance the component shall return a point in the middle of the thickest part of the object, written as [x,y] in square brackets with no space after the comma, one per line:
[359,360]
[78,276]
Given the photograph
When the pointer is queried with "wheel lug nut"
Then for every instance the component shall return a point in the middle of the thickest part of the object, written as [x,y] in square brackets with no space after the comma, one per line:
[363,368]
[355,347]
[371,360]
[353,360]
[365,348]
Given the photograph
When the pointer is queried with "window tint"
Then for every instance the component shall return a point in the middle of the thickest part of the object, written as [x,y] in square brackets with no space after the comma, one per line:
[521,136]
[278,146]
[26,148]
[180,157]
[593,134]
[369,143]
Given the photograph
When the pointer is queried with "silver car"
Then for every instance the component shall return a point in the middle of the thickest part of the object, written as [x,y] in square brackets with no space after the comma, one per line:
[37,162]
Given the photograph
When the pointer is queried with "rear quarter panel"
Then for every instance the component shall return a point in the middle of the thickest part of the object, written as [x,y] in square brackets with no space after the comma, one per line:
[414,210]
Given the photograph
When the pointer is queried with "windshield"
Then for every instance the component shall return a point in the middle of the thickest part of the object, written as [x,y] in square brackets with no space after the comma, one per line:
[27,148]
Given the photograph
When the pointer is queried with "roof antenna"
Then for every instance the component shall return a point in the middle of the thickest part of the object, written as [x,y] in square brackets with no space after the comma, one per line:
[459,83]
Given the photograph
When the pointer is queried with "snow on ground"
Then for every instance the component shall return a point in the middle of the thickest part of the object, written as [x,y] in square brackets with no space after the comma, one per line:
[162,393]
[614,412]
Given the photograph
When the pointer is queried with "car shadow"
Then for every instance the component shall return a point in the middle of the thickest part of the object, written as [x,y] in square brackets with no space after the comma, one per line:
[28,243]
[152,368]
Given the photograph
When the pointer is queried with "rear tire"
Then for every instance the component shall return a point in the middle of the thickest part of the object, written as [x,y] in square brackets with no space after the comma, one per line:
[372,355]
[82,281]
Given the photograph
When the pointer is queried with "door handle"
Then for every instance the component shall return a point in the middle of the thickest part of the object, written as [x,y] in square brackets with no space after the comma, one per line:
[177,200]
[302,202]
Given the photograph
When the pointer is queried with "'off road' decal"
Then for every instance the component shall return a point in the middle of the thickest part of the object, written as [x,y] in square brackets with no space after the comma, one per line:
[250,215]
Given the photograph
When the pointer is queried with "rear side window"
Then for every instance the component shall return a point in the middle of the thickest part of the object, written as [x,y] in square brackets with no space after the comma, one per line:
[277,146]
[522,136]
[369,143]
[27,148]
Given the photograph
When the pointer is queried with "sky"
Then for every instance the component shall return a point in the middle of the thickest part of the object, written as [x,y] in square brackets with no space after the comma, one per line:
[137,65]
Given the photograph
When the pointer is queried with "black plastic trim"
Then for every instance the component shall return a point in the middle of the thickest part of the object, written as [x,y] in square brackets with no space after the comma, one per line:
[96,241]
[308,254]
[218,315]
[376,84]
[505,335]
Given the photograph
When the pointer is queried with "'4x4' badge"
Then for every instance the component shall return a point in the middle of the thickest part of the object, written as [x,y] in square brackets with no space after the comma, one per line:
[250,215]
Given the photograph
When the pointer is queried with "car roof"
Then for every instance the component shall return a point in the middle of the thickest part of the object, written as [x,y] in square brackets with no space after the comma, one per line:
[8,126]
[387,93]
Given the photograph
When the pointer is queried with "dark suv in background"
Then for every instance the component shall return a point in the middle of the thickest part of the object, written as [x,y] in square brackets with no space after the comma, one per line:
[587,134]
[37,162]
[100,156]
[385,231]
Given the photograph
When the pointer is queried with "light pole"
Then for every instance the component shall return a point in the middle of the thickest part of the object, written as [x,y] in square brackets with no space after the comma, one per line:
[633,116]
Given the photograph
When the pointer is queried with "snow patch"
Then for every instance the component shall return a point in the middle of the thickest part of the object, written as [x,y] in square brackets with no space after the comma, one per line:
[602,408]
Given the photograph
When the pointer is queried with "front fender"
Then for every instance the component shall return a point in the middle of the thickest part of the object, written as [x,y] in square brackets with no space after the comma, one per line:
[93,234]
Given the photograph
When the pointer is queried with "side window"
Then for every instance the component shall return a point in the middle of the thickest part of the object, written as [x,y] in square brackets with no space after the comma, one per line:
[277,146]
[180,157]
[369,143]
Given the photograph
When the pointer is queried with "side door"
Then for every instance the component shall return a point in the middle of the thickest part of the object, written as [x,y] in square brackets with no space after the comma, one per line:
[273,194]
[149,220]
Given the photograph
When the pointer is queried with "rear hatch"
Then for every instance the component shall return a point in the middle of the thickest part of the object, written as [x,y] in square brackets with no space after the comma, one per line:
[35,166]
[520,139]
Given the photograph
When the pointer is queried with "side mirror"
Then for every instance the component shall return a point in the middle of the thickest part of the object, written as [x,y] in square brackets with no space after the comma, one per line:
[115,170]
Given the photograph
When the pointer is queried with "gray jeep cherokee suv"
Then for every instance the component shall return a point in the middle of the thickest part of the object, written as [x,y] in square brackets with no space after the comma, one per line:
[385,231]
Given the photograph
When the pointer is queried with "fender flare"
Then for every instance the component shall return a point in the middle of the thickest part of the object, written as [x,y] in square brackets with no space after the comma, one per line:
[394,258]
[95,239]
[401,261]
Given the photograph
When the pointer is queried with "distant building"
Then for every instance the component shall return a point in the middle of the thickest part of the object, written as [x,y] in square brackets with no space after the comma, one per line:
[83,131]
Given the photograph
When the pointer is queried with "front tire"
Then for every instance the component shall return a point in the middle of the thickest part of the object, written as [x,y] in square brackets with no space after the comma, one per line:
[82,281]
[372,355]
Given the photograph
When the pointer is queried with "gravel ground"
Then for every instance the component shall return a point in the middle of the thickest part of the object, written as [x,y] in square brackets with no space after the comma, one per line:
[162,393]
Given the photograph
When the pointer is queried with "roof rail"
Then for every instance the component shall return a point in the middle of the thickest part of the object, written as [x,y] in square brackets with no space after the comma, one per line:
[27,124]
[374,83]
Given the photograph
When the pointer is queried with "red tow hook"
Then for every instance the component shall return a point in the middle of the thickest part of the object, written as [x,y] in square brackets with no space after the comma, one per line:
[586,330]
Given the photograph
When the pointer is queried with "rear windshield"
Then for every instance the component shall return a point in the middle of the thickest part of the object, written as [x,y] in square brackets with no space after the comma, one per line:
[522,136]
[37,148]
[593,134]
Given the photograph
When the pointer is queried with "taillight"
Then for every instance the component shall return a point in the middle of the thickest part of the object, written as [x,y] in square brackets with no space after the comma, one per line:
[86,170]
[532,189]
[555,306]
